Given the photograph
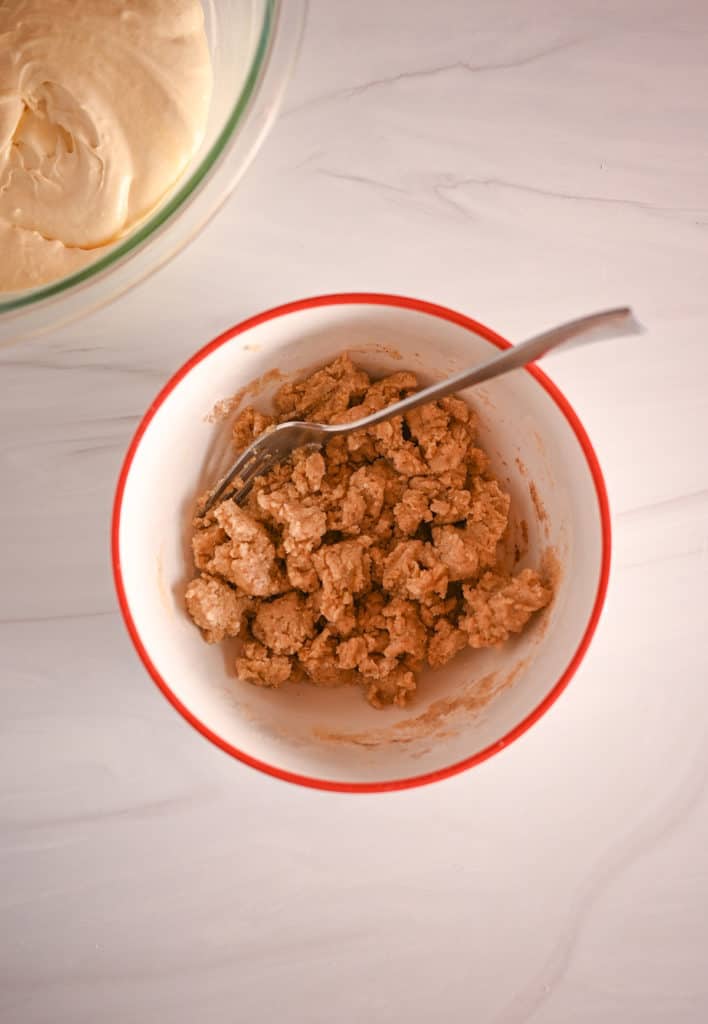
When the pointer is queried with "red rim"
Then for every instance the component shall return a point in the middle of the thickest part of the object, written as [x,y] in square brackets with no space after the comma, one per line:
[376,299]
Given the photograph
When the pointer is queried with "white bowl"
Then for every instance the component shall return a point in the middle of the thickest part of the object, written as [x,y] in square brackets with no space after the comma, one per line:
[332,739]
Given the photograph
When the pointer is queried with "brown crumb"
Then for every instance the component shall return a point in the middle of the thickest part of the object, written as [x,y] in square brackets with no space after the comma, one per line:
[499,605]
[362,563]
[257,664]
[284,624]
[215,607]
[247,557]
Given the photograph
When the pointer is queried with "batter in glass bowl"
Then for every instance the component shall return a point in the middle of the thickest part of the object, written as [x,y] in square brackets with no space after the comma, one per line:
[102,105]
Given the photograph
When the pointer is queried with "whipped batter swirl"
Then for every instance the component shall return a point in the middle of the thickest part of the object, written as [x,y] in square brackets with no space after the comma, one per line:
[102,105]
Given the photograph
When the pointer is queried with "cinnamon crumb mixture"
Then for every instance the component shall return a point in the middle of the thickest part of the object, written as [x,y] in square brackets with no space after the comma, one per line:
[364,562]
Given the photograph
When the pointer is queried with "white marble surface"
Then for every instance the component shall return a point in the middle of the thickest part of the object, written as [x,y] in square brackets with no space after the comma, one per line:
[523,162]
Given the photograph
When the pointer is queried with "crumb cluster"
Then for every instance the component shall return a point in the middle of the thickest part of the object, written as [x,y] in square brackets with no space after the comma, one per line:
[364,562]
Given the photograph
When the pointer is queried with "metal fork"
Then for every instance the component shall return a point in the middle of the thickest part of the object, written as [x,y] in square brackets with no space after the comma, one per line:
[277,444]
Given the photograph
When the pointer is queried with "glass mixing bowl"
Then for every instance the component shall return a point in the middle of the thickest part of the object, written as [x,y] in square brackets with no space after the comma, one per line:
[253,47]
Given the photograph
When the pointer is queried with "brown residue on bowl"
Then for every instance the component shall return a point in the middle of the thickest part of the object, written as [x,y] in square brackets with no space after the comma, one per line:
[540,444]
[518,540]
[389,350]
[539,507]
[444,717]
[551,569]
[482,398]
[552,573]
[226,406]
[375,346]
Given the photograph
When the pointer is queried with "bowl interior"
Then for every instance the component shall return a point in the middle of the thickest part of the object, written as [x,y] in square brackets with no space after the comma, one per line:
[461,710]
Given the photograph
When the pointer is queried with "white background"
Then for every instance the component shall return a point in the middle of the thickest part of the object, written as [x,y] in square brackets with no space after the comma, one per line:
[524,162]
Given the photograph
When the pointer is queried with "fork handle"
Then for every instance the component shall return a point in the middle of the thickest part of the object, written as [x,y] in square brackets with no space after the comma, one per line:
[596,327]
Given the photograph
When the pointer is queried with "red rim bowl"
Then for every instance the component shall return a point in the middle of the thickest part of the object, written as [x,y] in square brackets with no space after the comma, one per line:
[431,309]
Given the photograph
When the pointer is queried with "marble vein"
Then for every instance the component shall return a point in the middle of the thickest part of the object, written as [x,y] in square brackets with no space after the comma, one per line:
[442,188]
[138,809]
[63,617]
[360,179]
[696,499]
[69,367]
[466,67]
